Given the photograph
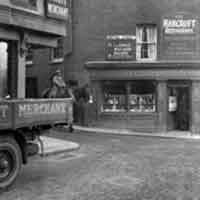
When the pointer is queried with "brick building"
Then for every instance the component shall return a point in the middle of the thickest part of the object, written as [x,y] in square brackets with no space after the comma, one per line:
[142,59]
[24,24]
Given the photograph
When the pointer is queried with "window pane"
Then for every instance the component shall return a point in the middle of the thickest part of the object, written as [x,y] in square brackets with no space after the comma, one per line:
[57,52]
[142,97]
[146,42]
[114,96]
[29,55]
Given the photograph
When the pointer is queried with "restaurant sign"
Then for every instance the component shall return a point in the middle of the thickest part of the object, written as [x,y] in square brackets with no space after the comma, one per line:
[180,36]
[120,47]
[179,24]
[58,9]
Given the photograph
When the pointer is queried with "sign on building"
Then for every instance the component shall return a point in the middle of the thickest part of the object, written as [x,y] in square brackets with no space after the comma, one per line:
[120,47]
[58,9]
[180,36]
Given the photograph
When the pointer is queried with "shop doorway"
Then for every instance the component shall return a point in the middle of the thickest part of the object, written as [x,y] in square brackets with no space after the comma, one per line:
[178,107]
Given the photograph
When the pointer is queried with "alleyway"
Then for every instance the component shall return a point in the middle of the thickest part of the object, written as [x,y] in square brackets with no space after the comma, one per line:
[112,167]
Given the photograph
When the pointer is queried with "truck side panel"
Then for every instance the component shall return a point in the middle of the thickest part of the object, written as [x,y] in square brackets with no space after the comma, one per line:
[6,119]
[30,112]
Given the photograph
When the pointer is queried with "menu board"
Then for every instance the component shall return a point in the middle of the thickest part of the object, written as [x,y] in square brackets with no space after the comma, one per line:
[180,36]
[120,47]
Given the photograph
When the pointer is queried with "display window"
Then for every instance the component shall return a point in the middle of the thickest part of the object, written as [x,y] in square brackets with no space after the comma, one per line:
[114,96]
[142,97]
[129,96]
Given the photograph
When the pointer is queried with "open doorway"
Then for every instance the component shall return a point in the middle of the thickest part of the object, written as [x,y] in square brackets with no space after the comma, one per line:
[178,107]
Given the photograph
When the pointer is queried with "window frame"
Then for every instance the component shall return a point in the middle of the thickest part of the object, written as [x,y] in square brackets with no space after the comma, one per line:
[127,106]
[29,62]
[155,44]
[60,59]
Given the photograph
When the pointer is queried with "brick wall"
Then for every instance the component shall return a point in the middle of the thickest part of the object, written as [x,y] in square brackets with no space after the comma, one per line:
[94,19]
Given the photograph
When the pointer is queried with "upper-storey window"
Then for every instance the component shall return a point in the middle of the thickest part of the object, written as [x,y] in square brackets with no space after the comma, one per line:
[29,57]
[146,42]
[57,54]
[30,4]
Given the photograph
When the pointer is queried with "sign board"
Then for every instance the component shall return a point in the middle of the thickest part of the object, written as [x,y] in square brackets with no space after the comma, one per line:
[180,36]
[120,47]
[58,9]
[172,106]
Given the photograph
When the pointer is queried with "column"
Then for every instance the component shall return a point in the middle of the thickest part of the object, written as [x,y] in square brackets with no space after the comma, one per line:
[21,73]
[195,111]
[162,101]
[97,97]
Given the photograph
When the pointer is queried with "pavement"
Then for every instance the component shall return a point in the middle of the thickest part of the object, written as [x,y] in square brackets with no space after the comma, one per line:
[54,146]
[170,134]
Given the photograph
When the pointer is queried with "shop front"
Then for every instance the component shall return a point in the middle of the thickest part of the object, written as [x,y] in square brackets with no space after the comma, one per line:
[149,97]
[150,80]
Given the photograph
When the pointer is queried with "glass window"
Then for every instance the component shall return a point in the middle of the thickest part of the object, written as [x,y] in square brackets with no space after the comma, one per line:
[114,96]
[146,42]
[29,57]
[57,53]
[142,97]
[131,96]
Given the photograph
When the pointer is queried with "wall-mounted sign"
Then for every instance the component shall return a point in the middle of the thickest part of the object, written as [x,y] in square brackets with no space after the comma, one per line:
[180,36]
[179,25]
[58,9]
[172,103]
[120,47]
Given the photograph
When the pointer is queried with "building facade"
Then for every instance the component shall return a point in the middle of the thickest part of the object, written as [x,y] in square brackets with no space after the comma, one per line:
[142,60]
[25,24]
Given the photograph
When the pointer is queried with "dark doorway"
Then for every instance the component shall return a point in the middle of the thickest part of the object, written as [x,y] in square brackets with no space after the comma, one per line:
[31,87]
[179,107]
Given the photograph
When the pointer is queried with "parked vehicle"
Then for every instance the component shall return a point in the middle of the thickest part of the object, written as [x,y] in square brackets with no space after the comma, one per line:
[21,124]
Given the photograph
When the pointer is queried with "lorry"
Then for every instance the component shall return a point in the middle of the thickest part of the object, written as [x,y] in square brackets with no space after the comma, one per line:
[22,122]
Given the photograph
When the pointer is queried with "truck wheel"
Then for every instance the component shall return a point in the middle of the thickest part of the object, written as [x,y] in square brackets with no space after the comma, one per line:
[10,161]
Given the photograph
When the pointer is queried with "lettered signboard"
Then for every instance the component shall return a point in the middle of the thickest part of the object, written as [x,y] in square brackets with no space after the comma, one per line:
[180,37]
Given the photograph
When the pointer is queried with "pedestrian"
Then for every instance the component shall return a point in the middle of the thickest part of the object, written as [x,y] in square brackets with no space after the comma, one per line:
[83,101]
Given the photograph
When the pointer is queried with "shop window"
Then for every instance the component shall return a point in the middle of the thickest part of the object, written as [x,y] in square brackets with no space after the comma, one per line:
[130,96]
[29,57]
[146,42]
[114,96]
[57,54]
[142,97]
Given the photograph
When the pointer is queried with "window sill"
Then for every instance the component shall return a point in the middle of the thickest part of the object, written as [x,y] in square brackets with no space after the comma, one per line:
[58,60]
[128,113]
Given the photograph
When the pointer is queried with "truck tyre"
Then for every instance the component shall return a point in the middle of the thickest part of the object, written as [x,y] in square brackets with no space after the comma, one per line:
[10,161]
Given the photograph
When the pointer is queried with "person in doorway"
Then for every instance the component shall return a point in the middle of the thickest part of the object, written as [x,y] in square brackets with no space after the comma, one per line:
[83,97]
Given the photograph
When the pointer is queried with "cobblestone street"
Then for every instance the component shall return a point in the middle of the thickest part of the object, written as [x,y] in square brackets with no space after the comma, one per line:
[112,167]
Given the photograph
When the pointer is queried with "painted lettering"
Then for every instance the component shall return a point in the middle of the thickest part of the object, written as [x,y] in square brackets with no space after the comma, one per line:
[41,109]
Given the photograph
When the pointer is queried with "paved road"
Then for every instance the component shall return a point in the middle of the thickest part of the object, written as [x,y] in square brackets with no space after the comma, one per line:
[112,167]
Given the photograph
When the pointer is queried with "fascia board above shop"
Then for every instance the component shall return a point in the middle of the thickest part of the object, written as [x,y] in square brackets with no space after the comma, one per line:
[41,40]
[174,64]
